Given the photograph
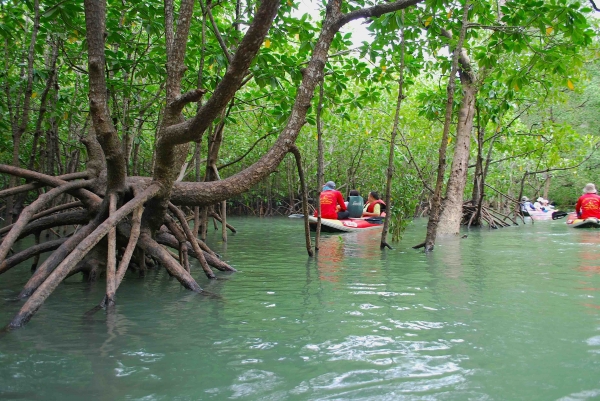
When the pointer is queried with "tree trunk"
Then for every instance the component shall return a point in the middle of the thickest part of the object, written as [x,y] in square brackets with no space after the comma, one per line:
[22,127]
[436,200]
[547,180]
[452,211]
[478,175]
[95,20]
[320,168]
[390,169]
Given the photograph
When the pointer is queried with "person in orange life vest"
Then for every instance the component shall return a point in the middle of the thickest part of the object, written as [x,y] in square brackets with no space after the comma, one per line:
[588,204]
[374,207]
[332,203]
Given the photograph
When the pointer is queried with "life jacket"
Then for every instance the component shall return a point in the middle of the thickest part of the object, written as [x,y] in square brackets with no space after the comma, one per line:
[371,206]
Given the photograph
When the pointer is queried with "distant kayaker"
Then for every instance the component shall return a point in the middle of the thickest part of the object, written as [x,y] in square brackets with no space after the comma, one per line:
[332,203]
[546,206]
[526,206]
[588,204]
[374,207]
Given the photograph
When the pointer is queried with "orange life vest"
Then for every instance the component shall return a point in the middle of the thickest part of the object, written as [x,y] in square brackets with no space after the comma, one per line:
[371,206]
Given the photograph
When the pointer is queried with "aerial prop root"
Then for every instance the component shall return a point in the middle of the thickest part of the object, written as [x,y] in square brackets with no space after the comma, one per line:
[30,252]
[31,210]
[218,218]
[67,218]
[89,199]
[169,240]
[182,242]
[44,213]
[81,250]
[35,185]
[54,259]
[153,248]
[194,242]
[136,223]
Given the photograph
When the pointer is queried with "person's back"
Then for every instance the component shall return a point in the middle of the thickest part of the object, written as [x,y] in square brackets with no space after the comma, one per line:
[526,205]
[355,205]
[330,199]
[588,204]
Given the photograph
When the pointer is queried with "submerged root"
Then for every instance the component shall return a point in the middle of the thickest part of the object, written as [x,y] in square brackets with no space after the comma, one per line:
[125,241]
[476,216]
[79,252]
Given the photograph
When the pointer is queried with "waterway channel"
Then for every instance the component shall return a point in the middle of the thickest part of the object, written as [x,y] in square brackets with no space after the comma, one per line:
[509,314]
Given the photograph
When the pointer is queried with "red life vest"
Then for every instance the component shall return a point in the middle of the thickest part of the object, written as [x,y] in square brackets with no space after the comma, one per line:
[371,206]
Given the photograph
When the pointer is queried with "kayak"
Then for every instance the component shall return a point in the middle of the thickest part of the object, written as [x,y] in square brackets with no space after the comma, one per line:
[540,214]
[346,225]
[590,222]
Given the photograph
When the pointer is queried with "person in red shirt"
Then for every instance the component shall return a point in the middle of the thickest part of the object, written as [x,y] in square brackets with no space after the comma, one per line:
[588,204]
[332,203]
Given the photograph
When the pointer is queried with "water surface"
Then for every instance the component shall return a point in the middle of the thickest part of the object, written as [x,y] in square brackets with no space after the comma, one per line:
[510,314]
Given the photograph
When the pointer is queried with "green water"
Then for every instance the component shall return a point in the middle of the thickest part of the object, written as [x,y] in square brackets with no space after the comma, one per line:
[512,314]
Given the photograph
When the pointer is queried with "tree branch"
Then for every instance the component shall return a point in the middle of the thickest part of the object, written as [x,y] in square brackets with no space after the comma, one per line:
[245,154]
[375,11]
[218,35]
[181,101]
[226,89]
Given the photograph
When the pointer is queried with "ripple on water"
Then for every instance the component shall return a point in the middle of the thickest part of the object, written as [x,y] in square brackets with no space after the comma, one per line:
[593,341]
[416,325]
[373,348]
[485,318]
[254,382]
[146,357]
[371,384]
[582,395]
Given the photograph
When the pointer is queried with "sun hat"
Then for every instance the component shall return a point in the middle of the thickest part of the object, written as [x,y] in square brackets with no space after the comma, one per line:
[540,199]
[524,199]
[589,189]
[330,184]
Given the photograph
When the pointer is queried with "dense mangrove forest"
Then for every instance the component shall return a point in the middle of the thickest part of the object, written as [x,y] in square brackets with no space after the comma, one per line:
[130,129]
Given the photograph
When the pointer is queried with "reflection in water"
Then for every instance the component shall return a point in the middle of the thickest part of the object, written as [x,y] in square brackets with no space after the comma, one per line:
[330,257]
[589,240]
[458,292]
[337,249]
[590,266]
[494,316]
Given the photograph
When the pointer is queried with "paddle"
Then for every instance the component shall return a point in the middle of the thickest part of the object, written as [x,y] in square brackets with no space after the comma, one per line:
[296,216]
[374,220]
[558,215]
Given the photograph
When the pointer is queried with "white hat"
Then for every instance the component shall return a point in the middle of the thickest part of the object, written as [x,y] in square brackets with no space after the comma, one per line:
[540,199]
[589,189]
